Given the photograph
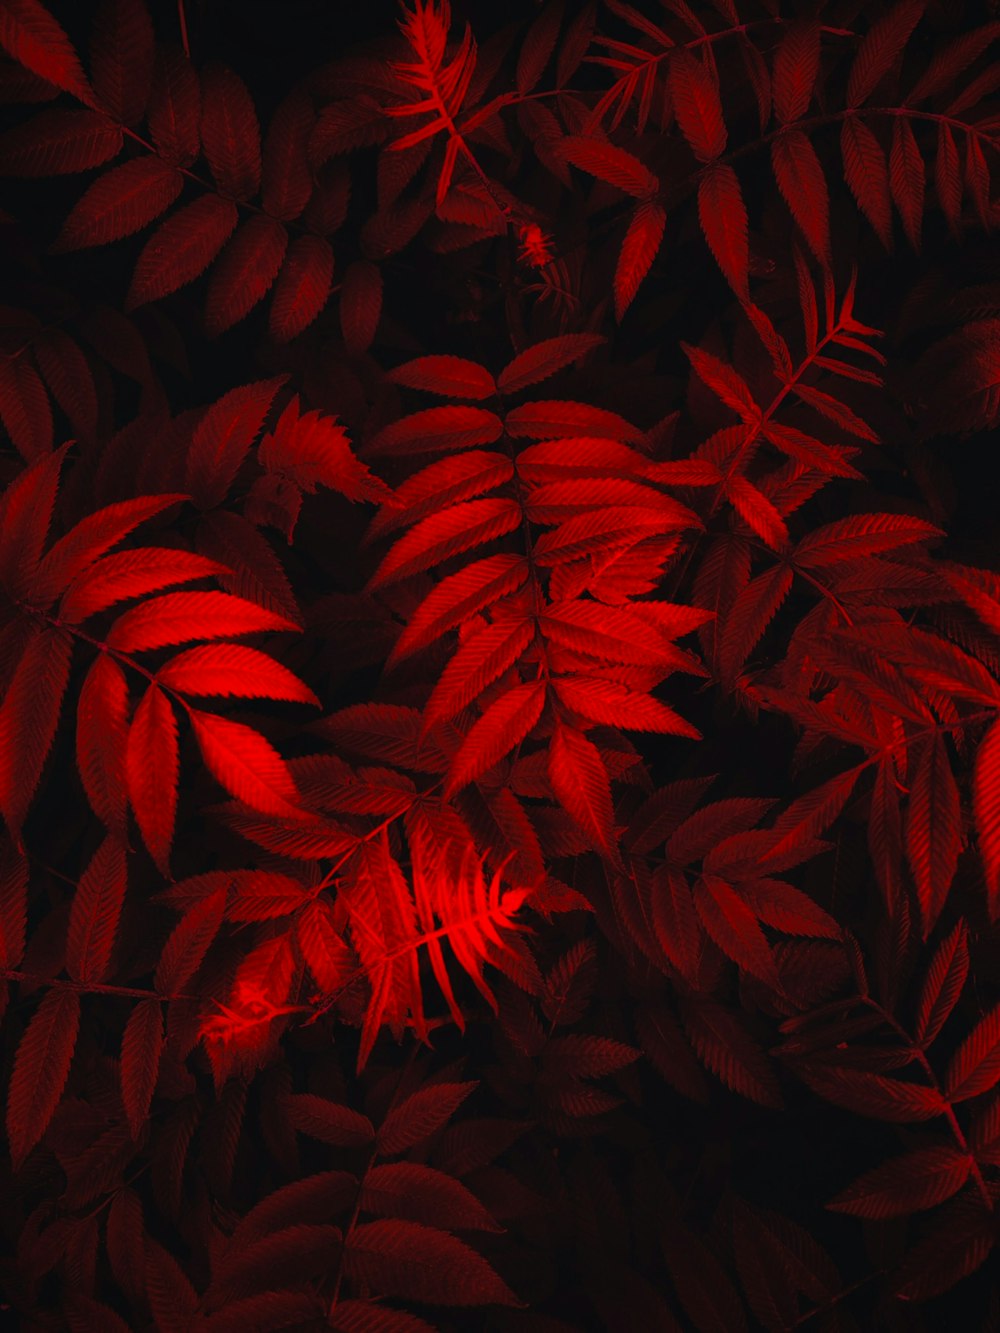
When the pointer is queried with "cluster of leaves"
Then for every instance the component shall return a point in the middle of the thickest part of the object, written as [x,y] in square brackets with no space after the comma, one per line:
[493,791]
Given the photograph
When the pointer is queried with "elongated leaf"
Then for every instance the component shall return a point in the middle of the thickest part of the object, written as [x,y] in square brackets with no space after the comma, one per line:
[32,37]
[153,767]
[182,248]
[906,1185]
[41,1068]
[142,1043]
[247,765]
[122,201]
[802,183]
[639,249]
[502,727]
[975,1066]
[581,785]
[422,1263]
[94,916]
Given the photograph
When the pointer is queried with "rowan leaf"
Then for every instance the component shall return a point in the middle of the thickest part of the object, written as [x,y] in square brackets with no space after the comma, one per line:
[122,201]
[41,1069]
[142,1043]
[95,913]
[246,764]
[153,771]
[182,248]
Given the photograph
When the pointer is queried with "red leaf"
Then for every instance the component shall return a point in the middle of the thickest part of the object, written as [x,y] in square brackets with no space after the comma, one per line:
[867,176]
[122,201]
[705,1291]
[786,908]
[178,617]
[420,1263]
[607,702]
[608,163]
[723,217]
[975,1066]
[538,45]
[13,904]
[796,67]
[67,372]
[223,437]
[24,408]
[675,921]
[724,381]
[695,96]
[245,273]
[544,359]
[71,556]
[329,959]
[920,1179]
[879,48]
[247,765]
[129,574]
[872,1094]
[581,786]
[167,1289]
[951,60]
[957,1246]
[101,740]
[436,430]
[314,450]
[757,512]
[262,895]
[328,1121]
[733,926]
[94,915]
[302,287]
[554,419]
[188,943]
[182,248]
[727,1049]
[233,671]
[860,535]
[420,1193]
[142,1042]
[29,716]
[943,983]
[449,376]
[41,1068]
[933,830]
[175,108]
[459,597]
[32,37]
[419,1116]
[230,134]
[948,179]
[25,514]
[484,656]
[624,634]
[57,142]
[639,248]
[502,727]
[287,179]
[802,183]
[753,610]
[907,179]
[986,810]
[440,536]
[121,58]
[152,767]
[360,305]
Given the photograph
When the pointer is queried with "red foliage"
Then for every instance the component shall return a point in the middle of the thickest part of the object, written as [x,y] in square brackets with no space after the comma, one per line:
[499,740]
